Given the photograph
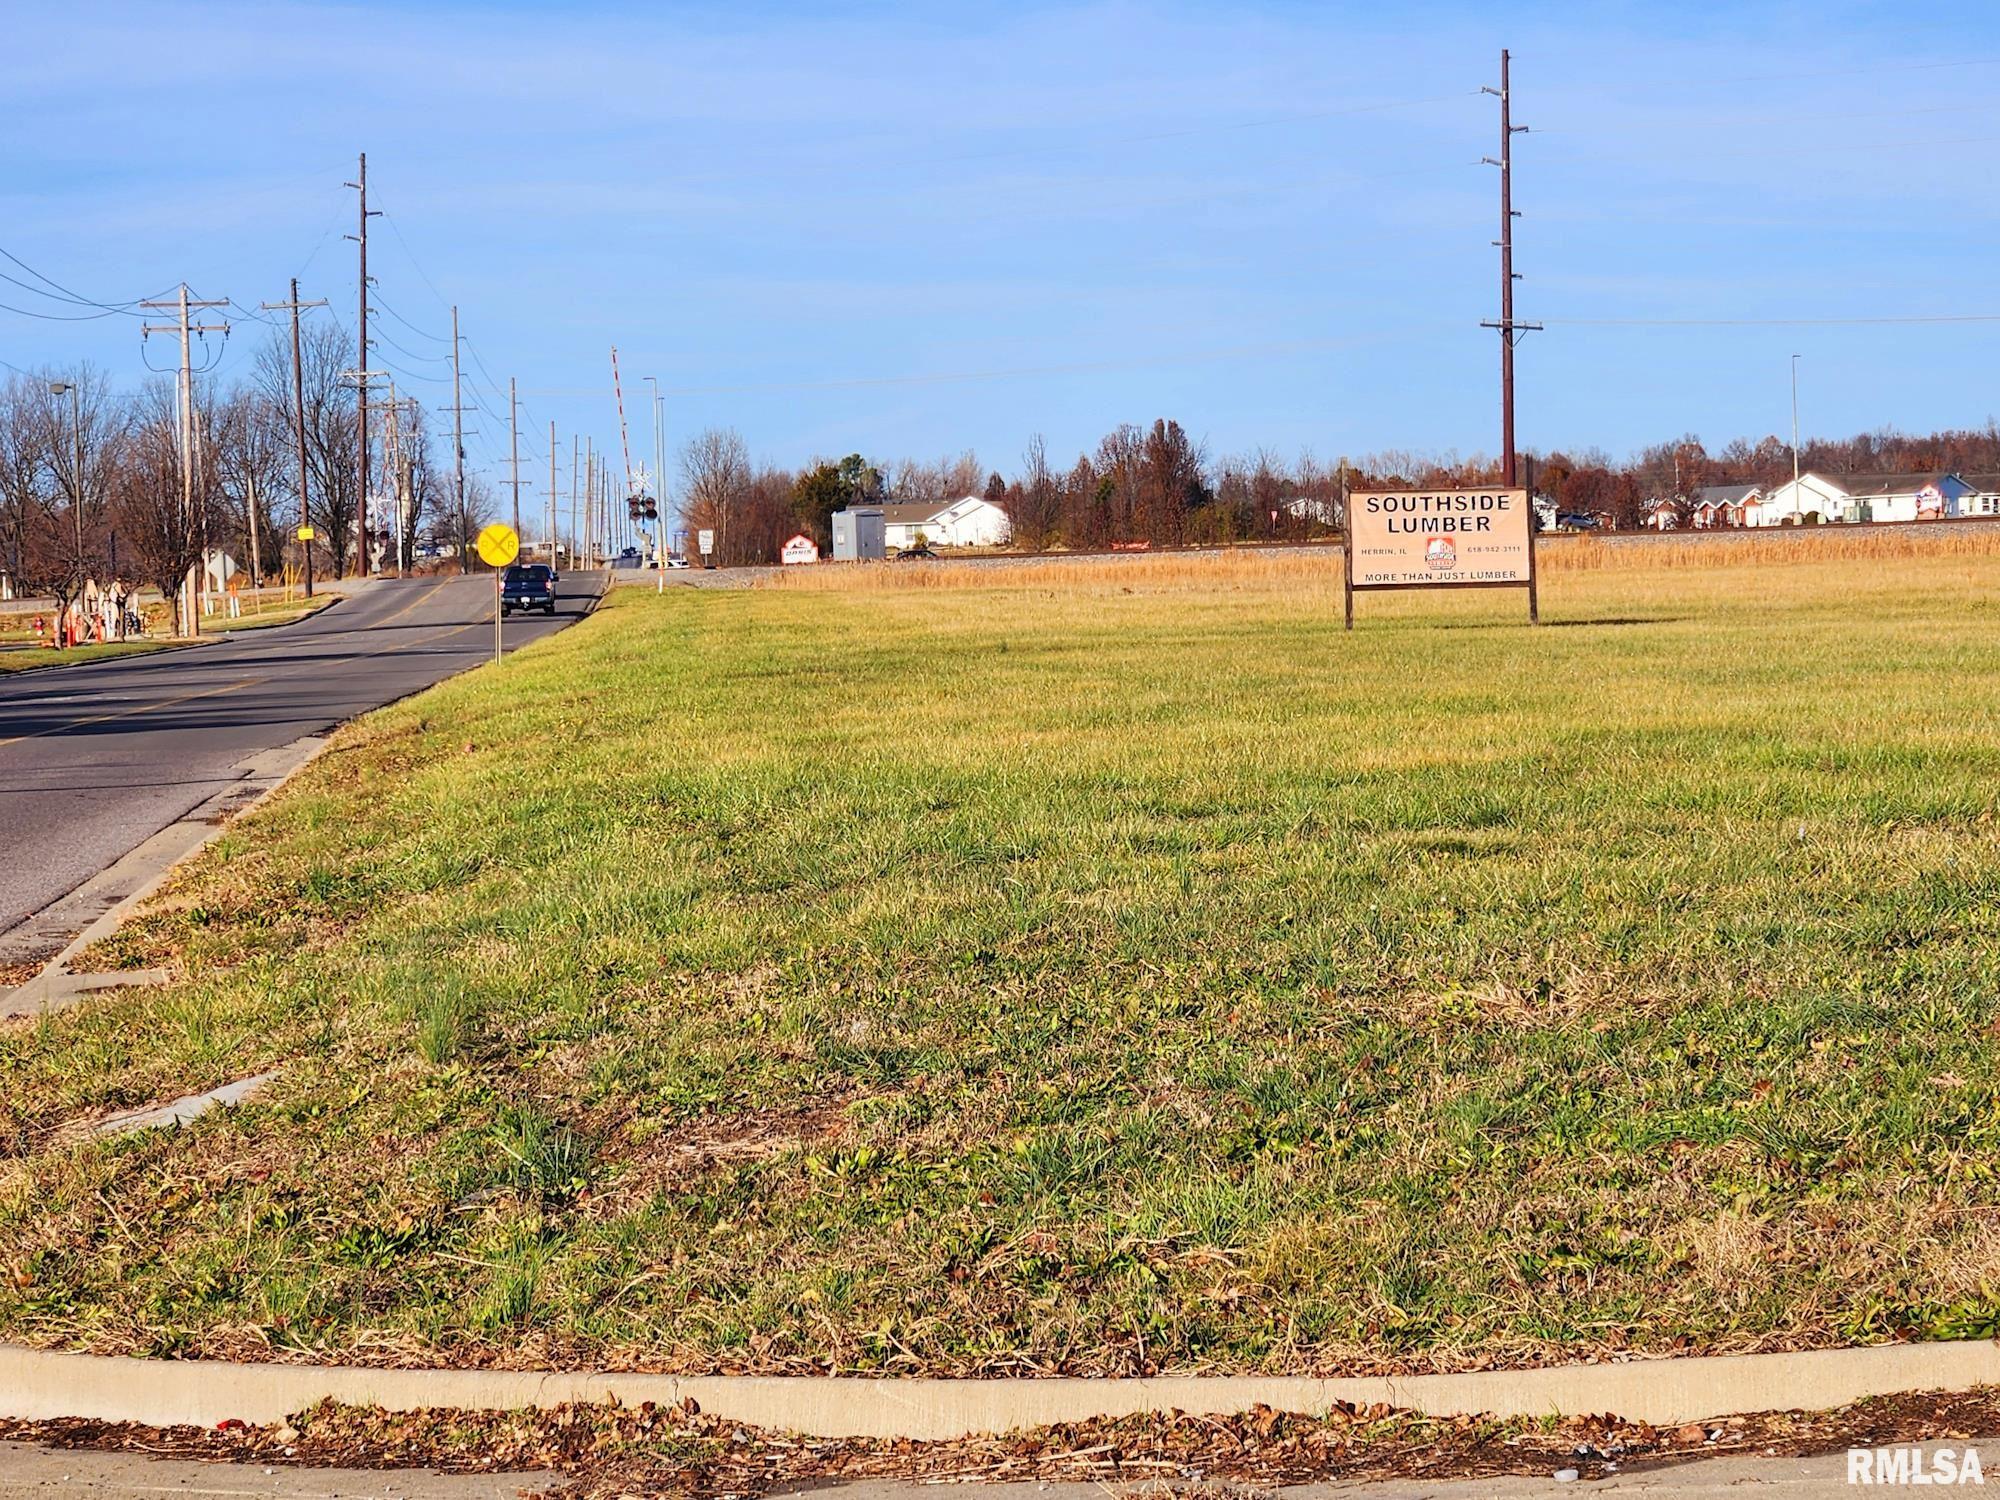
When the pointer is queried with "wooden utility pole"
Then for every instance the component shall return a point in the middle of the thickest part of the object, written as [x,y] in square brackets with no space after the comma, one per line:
[552,496]
[589,500]
[294,306]
[250,486]
[189,623]
[573,554]
[514,438]
[361,386]
[1510,331]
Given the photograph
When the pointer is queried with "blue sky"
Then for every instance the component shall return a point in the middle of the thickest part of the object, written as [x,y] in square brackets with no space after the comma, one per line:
[911,229]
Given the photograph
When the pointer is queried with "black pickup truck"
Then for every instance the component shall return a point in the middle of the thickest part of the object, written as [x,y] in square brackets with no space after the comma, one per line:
[528,586]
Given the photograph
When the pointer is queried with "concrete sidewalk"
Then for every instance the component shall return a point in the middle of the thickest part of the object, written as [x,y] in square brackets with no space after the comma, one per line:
[31,1473]
[40,1473]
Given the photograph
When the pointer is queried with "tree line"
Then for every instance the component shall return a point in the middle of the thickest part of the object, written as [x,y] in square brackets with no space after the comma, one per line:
[92,484]
[1156,486]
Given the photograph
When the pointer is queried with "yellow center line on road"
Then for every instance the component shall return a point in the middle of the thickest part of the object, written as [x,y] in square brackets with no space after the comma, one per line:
[216,692]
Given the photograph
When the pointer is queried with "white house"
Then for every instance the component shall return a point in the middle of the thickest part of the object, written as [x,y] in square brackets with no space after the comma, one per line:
[1815,498]
[1985,497]
[969,522]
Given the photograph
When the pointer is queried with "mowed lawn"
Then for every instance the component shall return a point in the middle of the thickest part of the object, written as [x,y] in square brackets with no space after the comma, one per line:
[1114,970]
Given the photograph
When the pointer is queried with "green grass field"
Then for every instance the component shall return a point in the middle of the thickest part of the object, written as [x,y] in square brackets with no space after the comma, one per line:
[1123,974]
[28,657]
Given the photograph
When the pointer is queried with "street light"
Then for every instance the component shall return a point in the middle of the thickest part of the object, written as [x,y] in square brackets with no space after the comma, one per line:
[57,388]
[1795,431]
[659,484]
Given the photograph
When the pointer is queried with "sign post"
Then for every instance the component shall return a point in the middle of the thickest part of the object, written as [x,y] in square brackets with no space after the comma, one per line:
[706,540]
[1431,539]
[306,536]
[498,545]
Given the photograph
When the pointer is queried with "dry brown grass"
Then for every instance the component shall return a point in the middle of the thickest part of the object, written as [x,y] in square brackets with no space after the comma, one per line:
[1262,567]
[1771,548]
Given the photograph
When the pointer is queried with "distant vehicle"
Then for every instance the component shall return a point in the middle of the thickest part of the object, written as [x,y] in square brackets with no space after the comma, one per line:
[915,554]
[528,586]
[677,562]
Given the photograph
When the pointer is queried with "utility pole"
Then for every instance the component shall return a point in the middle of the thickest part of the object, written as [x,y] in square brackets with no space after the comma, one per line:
[552,498]
[361,468]
[189,623]
[458,410]
[1510,331]
[256,543]
[514,437]
[573,552]
[294,306]
[589,499]
[659,484]
[396,468]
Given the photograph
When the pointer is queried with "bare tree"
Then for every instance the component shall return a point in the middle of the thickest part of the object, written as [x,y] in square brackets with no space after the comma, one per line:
[325,349]
[167,535]
[1034,506]
[58,455]
[255,471]
[715,487]
[913,482]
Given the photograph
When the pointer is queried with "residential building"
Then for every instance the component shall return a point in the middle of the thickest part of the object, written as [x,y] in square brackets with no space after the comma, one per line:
[1984,499]
[1717,505]
[1814,498]
[969,522]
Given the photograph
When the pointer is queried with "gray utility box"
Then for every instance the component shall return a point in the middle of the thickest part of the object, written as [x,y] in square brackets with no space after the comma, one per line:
[857,534]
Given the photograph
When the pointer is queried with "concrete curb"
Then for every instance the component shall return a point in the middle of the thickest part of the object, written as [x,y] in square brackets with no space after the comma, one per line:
[100,905]
[37,1385]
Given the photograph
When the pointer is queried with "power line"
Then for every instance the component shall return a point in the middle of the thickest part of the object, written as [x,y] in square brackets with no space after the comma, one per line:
[396,229]
[438,359]
[382,303]
[1773,322]
[88,317]
[75,296]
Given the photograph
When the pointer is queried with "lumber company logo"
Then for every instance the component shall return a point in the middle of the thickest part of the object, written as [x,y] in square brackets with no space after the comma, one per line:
[1441,552]
[1913,1465]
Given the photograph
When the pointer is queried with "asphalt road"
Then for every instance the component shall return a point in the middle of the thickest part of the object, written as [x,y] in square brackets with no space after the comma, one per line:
[98,757]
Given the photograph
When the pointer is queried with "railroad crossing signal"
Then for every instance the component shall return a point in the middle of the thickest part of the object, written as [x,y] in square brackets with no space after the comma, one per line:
[499,544]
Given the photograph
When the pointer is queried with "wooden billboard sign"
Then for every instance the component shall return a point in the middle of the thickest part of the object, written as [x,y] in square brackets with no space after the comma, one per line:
[1440,539]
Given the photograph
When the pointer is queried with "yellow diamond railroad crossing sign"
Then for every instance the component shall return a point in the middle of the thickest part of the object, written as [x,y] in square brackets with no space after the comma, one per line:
[498,545]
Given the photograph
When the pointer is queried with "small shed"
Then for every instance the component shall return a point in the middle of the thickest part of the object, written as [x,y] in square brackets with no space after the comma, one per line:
[858,534]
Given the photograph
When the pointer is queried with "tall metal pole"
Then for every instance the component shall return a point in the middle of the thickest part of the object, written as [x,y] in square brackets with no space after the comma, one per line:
[1795,431]
[552,495]
[659,487]
[76,508]
[573,554]
[458,452]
